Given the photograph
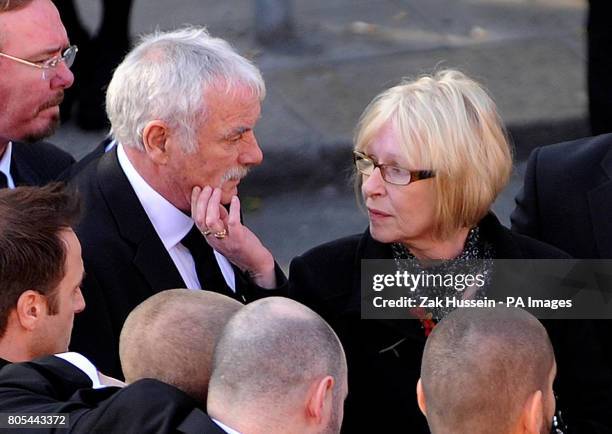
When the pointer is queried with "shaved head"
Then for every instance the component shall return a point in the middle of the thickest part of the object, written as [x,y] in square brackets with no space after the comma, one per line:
[270,354]
[479,368]
[171,337]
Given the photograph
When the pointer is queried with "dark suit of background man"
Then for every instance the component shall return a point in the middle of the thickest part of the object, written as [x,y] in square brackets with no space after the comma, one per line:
[101,53]
[182,106]
[34,63]
[566,201]
[599,65]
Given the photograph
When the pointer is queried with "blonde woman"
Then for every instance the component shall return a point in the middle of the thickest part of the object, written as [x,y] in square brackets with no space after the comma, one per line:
[431,156]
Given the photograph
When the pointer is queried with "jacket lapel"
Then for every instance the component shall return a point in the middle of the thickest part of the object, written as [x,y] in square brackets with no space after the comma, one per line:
[151,257]
[600,207]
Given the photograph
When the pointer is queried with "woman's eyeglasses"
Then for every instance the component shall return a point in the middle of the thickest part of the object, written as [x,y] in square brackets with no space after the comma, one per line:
[392,174]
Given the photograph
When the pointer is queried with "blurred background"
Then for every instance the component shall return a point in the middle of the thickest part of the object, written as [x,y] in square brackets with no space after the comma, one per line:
[324,60]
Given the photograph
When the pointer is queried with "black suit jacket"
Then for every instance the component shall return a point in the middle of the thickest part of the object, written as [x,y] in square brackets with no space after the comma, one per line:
[566,200]
[125,261]
[382,381]
[93,155]
[38,163]
[52,385]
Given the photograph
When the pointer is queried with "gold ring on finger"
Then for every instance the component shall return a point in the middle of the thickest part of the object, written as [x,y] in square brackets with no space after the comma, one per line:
[221,234]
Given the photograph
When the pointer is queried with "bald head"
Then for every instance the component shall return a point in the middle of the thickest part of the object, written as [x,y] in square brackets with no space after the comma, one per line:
[270,355]
[480,366]
[171,337]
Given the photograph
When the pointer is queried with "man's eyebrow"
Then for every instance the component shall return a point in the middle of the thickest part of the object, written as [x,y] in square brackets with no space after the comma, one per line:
[237,131]
[49,51]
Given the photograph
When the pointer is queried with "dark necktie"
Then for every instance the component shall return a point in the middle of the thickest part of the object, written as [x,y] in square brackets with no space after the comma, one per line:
[206,266]
[3,180]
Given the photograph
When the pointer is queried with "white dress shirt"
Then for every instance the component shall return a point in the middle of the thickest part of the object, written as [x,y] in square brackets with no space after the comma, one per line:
[83,363]
[171,225]
[5,165]
[225,428]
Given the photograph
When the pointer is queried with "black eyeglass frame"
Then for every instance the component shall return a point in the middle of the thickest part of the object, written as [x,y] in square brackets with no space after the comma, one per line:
[414,175]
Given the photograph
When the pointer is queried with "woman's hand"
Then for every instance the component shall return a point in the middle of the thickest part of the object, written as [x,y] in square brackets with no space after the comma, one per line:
[225,233]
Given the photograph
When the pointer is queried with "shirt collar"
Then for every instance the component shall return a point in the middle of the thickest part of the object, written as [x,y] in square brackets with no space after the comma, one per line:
[5,161]
[170,223]
[85,365]
[225,428]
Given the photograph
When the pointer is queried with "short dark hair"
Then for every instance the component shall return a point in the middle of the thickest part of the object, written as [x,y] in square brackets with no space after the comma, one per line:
[246,365]
[171,337]
[488,359]
[32,255]
[11,5]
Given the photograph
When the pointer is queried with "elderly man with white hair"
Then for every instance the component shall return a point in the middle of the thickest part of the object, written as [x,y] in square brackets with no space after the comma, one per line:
[162,209]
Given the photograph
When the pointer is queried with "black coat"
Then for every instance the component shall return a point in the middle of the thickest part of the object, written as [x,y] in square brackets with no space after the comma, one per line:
[38,163]
[53,385]
[125,262]
[566,200]
[382,384]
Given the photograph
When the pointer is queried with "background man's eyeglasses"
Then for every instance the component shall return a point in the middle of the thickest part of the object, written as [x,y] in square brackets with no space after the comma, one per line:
[392,174]
[67,56]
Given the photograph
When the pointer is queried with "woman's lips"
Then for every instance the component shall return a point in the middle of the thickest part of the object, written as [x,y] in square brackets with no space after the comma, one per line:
[375,213]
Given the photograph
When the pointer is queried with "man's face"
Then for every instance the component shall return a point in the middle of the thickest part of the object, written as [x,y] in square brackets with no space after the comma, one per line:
[31,102]
[227,147]
[56,328]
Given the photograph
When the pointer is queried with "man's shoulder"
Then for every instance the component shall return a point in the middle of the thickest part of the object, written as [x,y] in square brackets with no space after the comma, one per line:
[46,375]
[90,160]
[40,148]
[41,162]
[574,156]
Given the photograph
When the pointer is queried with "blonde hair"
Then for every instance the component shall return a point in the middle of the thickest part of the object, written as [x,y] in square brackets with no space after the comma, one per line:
[451,122]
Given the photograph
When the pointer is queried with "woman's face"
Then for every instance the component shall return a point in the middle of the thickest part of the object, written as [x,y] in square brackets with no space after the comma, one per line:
[397,213]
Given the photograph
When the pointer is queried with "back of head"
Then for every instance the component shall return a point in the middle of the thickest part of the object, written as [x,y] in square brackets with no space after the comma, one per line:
[479,368]
[171,337]
[268,357]
[165,77]
[32,253]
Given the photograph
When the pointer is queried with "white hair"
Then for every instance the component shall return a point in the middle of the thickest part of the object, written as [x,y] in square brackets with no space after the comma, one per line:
[165,78]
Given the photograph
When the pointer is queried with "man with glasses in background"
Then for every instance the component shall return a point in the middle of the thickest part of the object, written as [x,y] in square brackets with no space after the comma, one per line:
[35,58]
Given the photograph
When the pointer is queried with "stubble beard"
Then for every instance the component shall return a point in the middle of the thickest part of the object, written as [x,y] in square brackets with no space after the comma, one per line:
[52,125]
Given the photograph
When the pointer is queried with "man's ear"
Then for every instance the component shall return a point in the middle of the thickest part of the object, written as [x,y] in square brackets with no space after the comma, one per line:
[533,413]
[421,398]
[31,305]
[320,400]
[154,138]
